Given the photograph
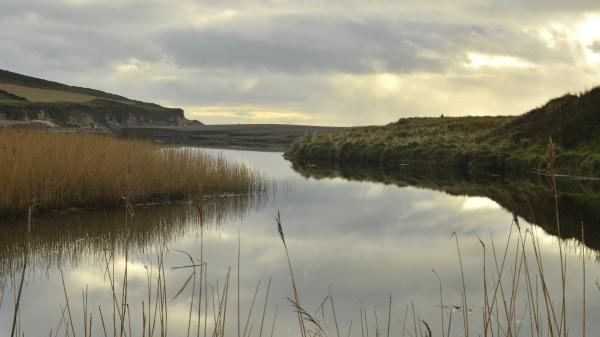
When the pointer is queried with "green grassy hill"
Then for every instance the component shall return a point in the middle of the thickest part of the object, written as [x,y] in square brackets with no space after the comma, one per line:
[483,144]
[26,99]
[571,121]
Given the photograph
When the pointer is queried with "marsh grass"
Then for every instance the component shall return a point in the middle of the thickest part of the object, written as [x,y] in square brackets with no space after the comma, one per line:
[62,170]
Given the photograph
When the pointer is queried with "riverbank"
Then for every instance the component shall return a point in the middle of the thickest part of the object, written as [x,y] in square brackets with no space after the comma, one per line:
[51,170]
[250,137]
[496,145]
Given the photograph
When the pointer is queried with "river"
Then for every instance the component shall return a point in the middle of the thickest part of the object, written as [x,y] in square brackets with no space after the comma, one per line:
[367,242]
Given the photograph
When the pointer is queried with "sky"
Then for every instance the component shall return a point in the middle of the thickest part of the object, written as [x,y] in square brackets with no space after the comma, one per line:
[340,62]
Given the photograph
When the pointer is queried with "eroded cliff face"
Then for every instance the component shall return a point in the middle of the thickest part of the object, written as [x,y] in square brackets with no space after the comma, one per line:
[96,114]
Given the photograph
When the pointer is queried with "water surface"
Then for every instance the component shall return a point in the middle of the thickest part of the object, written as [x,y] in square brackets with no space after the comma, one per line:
[353,236]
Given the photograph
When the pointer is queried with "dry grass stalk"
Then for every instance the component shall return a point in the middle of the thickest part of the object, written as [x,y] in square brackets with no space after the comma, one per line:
[63,170]
[296,300]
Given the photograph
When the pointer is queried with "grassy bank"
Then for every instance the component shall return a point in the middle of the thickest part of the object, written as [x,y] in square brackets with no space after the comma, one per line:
[60,170]
[413,140]
[489,144]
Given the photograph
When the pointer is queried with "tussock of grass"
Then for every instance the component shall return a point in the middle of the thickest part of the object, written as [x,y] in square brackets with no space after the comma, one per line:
[60,170]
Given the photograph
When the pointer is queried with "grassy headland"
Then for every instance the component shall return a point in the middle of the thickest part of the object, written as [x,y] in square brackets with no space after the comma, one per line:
[489,144]
[61,170]
[30,100]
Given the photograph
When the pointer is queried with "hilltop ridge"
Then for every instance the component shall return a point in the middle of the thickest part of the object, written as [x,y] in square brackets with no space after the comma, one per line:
[26,100]
[571,121]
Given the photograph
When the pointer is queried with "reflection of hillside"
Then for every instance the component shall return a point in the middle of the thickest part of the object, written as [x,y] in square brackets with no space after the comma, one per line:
[82,237]
[531,199]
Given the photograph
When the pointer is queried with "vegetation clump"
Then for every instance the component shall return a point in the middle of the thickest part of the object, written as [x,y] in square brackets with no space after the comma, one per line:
[51,170]
[410,140]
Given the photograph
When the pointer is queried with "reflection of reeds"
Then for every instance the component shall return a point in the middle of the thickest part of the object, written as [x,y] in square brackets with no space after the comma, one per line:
[508,298]
[296,300]
[523,292]
[155,306]
[14,332]
[81,237]
[61,170]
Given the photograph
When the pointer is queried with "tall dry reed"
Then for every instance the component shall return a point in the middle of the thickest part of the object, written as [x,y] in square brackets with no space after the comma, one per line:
[60,170]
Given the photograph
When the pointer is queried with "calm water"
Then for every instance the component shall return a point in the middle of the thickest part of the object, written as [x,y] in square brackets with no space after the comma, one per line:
[363,240]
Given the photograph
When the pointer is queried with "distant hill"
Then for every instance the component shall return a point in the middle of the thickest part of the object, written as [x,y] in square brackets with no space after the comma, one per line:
[488,144]
[571,121]
[33,101]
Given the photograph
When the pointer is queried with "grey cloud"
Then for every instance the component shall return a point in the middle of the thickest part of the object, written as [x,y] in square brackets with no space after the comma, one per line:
[305,45]
[99,34]
[42,40]
[80,49]
[207,90]
[534,8]
[325,44]
[98,14]
[595,47]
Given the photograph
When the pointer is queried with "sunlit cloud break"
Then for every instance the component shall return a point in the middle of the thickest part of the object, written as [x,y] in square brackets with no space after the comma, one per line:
[246,114]
[477,60]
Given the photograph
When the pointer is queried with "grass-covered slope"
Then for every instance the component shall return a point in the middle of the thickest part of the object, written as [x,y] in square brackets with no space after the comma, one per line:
[571,120]
[491,144]
[25,99]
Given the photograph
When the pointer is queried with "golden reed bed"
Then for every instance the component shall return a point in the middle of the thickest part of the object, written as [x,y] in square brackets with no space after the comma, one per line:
[59,170]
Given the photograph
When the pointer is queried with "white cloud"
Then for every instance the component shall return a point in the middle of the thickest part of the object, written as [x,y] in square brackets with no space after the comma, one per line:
[589,34]
[478,60]
[478,203]
[245,114]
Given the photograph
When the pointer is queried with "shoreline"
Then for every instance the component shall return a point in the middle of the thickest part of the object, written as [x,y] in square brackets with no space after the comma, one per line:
[245,137]
[242,137]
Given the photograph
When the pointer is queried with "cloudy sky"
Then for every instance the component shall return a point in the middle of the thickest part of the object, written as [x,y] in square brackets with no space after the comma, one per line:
[342,62]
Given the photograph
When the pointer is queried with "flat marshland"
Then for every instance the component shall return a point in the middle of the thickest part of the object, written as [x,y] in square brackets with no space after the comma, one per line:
[50,170]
